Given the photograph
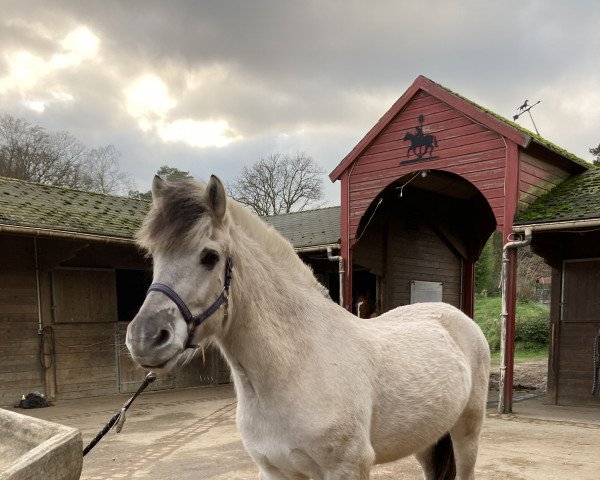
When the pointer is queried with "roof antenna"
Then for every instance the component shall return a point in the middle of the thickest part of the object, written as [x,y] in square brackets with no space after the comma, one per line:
[527,108]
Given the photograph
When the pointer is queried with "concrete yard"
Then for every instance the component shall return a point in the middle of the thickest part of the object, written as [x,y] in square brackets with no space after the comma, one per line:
[191,434]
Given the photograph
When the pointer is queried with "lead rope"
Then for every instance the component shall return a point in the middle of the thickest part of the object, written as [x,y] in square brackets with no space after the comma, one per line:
[119,417]
[596,383]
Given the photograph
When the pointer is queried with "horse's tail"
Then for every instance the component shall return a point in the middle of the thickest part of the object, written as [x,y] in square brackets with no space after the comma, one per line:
[434,141]
[444,466]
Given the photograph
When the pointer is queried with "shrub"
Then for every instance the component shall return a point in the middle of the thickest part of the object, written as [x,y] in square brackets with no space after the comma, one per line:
[487,315]
[532,322]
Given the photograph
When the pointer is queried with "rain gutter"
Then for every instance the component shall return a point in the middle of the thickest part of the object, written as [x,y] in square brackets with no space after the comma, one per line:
[560,225]
[50,233]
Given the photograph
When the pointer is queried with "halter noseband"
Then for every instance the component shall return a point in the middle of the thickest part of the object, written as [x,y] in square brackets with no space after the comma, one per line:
[195,322]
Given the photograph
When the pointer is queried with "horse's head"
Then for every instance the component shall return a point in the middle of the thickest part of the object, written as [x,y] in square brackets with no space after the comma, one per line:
[186,233]
[408,136]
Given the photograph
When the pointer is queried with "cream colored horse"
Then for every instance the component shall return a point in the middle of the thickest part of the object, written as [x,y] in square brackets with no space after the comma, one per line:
[321,393]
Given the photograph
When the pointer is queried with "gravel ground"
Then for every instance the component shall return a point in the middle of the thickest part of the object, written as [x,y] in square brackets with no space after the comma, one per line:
[191,434]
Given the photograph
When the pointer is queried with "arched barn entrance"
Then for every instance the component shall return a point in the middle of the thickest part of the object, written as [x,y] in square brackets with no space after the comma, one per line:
[419,238]
[423,190]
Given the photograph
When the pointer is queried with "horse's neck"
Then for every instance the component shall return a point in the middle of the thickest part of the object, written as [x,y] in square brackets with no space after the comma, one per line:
[272,314]
[280,250]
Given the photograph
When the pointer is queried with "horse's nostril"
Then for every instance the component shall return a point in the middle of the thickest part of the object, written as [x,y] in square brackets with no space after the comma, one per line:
[162,338]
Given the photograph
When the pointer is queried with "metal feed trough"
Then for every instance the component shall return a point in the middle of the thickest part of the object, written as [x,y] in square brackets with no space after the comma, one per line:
[35,449]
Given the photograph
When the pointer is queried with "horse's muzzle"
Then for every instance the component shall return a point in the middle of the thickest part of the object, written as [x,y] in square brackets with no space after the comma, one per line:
[153,342]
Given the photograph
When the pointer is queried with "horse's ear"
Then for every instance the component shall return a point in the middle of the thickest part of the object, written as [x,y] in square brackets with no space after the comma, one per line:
[158,185]
[216,197]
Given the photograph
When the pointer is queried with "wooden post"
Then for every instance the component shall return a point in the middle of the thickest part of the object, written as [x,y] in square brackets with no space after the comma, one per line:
[509,273]
[48,349]
[469,287]
[345,250]
[553,353]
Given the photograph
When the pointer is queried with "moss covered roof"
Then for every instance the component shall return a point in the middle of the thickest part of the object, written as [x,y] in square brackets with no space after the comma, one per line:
[33,205]
[577,198]
[27,204]
[536,138]
[309,228]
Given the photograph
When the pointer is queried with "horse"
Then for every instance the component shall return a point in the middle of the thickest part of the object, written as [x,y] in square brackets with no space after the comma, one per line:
[364,305]
[321,394]
[420,141]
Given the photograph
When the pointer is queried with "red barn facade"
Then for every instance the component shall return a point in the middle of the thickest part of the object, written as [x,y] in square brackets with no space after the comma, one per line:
[426,187]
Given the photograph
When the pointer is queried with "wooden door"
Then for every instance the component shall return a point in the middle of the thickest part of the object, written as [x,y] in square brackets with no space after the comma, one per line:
[579,326]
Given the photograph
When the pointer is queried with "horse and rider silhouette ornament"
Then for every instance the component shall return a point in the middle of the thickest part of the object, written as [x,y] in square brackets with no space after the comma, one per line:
[420,143]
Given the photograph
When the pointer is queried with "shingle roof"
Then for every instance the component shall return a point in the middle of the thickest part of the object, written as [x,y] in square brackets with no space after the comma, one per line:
[534,136]
[309,228]
[33,205]
[27,204]
[577,198]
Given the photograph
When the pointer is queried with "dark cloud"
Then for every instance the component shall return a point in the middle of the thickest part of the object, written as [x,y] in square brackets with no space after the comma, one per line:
[308,76]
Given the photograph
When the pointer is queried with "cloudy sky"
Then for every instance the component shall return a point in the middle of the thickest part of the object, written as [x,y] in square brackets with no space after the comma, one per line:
[209,86]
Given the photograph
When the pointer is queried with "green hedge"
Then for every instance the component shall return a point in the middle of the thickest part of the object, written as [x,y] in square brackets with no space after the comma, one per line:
[532,323]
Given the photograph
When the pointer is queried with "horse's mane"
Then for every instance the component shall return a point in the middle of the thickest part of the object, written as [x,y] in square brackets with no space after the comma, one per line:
[169,222]
[277,246]
[181,206]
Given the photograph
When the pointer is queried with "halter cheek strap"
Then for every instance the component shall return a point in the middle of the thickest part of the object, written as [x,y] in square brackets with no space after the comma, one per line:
[195,321]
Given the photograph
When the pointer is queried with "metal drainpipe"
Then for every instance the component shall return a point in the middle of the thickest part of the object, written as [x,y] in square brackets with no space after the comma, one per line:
[503,327]
[340,261]
[37,286]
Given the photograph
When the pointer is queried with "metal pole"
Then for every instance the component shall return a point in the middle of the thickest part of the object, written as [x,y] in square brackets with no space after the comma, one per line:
[531,116]
[506,333]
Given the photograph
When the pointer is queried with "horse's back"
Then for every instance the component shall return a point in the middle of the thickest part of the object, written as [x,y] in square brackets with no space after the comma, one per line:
[425,329]
[432,316]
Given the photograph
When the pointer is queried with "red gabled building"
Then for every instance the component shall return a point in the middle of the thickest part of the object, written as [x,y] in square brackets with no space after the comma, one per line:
[426,187]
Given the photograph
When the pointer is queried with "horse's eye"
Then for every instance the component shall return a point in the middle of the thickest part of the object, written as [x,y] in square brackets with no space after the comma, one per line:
[209,258]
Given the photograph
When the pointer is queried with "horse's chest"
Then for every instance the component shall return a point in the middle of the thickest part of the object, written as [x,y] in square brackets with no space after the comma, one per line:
[275,440]
[264,429]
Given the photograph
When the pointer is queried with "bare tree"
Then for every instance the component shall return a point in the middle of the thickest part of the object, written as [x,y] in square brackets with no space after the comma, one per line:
[101,166]
[279,184]
[530,268]
[29,152]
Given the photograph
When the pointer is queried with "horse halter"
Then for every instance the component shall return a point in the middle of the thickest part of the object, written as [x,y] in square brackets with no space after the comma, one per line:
[194,322]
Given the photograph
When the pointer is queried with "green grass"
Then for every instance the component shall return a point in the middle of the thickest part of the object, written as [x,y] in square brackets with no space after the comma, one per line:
[523,354]
[532,327]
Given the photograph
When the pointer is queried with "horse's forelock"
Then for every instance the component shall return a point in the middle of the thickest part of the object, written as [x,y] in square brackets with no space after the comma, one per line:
[172,216]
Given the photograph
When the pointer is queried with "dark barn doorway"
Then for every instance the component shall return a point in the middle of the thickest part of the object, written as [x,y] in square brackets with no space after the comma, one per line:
[428,226]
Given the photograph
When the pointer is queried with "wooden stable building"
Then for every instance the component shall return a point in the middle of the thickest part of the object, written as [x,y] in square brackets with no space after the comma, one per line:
[71,278]
[565,231]
[423,191]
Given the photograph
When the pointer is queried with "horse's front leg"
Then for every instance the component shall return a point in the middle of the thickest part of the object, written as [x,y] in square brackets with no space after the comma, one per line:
[353,467]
